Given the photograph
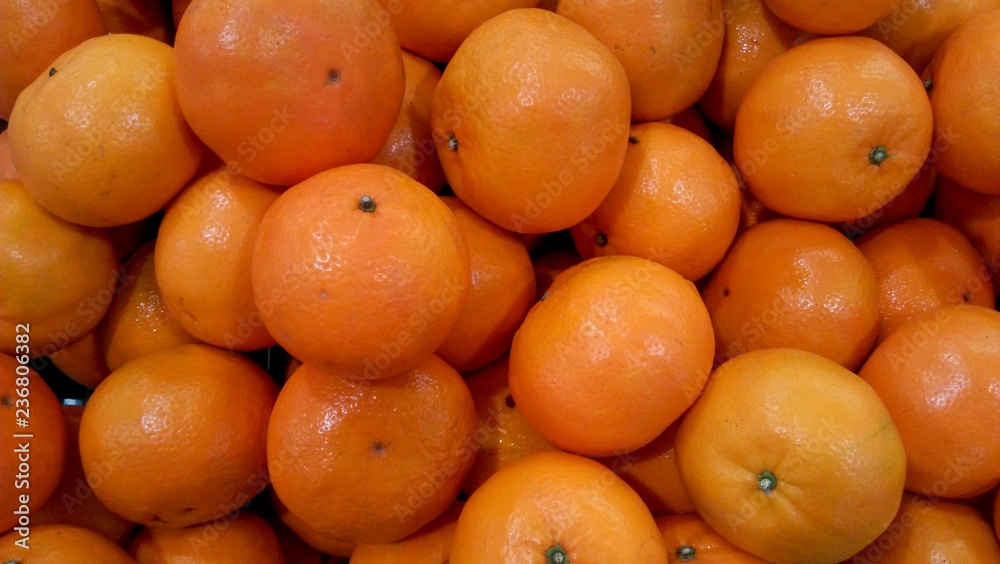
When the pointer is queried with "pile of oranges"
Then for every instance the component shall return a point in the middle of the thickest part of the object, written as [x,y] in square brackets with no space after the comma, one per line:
[506,281]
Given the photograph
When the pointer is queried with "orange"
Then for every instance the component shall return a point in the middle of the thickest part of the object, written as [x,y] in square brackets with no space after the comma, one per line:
[615,335]
[177,437]
[550,264]
[501,292]
[652,472]
[965,81]
[917,28]
[141,17]
[832,18]
[241,538]
[675,202]
[429,545]
[402,449]
[35,33]
[294,549]
[410,146]
[58,278]
[753,37]
[793,283]
[938,378]
[688,538]
[922,265]
[691,120]
[307,533]
[515,146]
[556,507]
[910,203]
[32,466]
[361,270]
[62,544]
[933,531]
[831,128]
[791,457]
[977,216]
[82,361]
[203,252]
[7,171]
[669,50]
[434,29]
[284,89]
[502,434]
[74,502]
[99,139]
[138,322]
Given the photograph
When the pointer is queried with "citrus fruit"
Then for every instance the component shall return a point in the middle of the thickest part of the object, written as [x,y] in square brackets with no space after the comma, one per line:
[977,216]
[688,538]
[240,538]
[832,18]
[62,544]
[429,545]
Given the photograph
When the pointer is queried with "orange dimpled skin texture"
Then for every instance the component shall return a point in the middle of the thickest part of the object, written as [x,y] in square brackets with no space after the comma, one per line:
[614,335]
[282,90]
[361,270]
[371,461]
[99,139]
[531,121]
[62,544]
[832,127]
[689,538]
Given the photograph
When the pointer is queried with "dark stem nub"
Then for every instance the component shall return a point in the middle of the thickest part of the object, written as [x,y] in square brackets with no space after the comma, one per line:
[633,139]
[686,553]
[928,84]
[766,482]
[452,142]
[878,155]
[601,239]
[367,204]
[52,71]
[333,77]
[556,555]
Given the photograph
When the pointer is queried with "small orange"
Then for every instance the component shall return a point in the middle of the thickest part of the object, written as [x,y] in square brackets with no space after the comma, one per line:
[688,538]
[675,202]
[62,544]
[550,264]
[27,484]
[531,121]
[909,204]
[832,18]
[977,216]
[99,139]
[307,533]
[402,450]
[794,283]
[240,538]
[177,437]
[82,361]
[7,171]
[502,434]
[928,530]
[203,251]
[410,146]
[965,83]
[138,323]
[141,17]
[430,545]
[669,49]
[616,335]
[285,89]
[691,120]
[921,265]
[556,507]
[501,292]
[831,128]
[937,376]
[791,457]
[294,549]
[361,270]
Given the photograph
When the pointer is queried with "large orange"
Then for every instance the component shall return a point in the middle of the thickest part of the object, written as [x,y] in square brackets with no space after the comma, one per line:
[688,538]
[556,507]
[793,283]
[930,531]
[203,252]
[977,216]
[284,89]
[360,269]
[501,292]
[410,145]
[831,127]
[241,538]
[753,37]
[531,121]
[791,457]
[99,139]
[178,436]
[921,265]
[832,18]
[669,49]
[371,461]
[429,545]
[58,278]
[675,202]
[31,466]
[62,544]
[965,83]
[938,377]
[615,335]
[33,34]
